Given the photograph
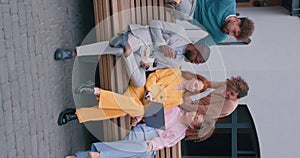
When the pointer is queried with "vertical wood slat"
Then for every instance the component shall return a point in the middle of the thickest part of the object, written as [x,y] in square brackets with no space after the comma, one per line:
[155,10]
[157,155]
[174,150]
[126,13]
[161,10]
[138,12]
[168,153]
[97,15]
[111,27]
[144,12]
[149,11]
[177,150]
[132,11]
[162,153]
[116,20]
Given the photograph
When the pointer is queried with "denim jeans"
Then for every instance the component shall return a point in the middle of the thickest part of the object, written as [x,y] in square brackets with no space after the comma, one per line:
[132,146]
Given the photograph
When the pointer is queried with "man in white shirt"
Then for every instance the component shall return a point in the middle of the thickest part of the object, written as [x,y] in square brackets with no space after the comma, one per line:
[159,41]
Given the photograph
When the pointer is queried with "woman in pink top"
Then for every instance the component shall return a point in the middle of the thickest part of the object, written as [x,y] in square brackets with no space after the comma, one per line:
[143,141]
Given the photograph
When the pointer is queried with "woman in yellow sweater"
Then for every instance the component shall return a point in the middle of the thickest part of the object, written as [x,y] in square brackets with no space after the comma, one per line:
[166,86]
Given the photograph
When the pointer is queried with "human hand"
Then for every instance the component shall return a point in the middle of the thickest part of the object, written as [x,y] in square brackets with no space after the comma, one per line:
[148,96]
[96,91]
[203,101]
[168,52]
[144,65]
[150,146]
[134,121]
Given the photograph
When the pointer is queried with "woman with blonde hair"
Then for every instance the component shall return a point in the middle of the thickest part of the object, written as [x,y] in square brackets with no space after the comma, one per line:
[143,141]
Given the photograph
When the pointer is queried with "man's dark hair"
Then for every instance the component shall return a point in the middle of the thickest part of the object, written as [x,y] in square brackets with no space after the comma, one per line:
[240,85]
[246,27]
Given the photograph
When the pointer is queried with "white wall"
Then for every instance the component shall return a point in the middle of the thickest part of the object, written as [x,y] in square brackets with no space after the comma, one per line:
[271,65]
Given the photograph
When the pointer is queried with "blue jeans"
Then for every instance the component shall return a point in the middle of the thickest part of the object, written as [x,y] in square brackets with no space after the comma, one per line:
[120,40]
[132,146]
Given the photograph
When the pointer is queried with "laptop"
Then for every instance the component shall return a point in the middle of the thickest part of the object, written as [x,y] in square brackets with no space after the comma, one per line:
[154,115]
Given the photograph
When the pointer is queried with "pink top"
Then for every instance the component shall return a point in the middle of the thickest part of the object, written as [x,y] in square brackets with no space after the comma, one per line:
[175,131]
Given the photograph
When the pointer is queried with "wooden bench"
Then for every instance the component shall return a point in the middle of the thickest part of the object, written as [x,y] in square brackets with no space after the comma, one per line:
[111,17]
[248,3]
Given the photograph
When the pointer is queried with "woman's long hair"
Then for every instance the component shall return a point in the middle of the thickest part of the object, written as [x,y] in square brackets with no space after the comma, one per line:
[188,75]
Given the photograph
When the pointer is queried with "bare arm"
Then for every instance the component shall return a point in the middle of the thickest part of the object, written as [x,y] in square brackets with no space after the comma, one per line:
[168,138]
[200,105]
[216,85]
[202,109]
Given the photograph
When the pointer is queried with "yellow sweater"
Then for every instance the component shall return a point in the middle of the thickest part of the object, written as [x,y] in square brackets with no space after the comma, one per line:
[161,83]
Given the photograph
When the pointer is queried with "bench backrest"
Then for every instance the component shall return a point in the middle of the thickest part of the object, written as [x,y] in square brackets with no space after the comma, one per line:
[111,17]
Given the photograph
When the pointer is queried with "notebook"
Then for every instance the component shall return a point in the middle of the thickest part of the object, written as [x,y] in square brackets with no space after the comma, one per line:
[154,115]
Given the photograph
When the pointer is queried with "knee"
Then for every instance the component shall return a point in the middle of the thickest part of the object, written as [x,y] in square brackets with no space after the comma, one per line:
[139,83]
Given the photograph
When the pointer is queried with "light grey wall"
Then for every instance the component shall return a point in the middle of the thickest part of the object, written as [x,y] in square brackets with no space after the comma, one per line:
[271,66]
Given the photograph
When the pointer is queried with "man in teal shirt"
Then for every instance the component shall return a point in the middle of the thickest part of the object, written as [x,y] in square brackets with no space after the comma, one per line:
[217,16]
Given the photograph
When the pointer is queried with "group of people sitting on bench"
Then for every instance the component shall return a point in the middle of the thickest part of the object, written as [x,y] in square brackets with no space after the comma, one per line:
[165,49]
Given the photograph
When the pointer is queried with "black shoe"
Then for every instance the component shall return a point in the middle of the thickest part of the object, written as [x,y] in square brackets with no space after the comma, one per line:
[66,116]
[86,88]
[61,54]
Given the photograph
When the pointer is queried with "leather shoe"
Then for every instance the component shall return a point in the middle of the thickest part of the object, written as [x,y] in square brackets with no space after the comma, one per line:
[66,116]
[61,54]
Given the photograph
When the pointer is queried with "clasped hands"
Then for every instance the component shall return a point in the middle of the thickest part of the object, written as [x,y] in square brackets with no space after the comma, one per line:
[166,50]
[148,96]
